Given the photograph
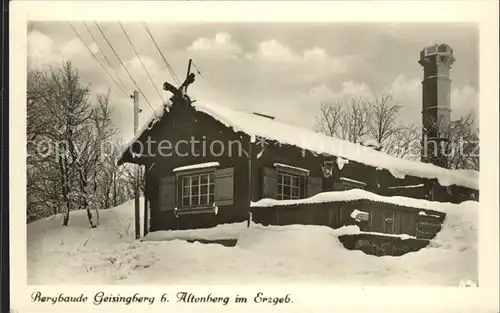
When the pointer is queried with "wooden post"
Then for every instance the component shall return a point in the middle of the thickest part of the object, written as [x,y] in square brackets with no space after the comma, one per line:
[146,204]
[250,181]
[188,72]
[136,191]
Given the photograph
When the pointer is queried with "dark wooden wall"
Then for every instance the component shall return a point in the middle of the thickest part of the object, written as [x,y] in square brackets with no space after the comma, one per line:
[378,181]
[182,124]
[384,217]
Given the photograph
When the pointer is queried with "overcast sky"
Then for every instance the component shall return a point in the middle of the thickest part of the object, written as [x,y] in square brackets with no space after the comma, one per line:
[285,70]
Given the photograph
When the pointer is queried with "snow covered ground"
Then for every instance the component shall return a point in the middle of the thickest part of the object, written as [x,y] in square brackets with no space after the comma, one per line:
[278,254]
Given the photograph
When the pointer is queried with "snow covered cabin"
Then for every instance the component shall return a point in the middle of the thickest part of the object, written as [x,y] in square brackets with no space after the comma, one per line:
[205,163]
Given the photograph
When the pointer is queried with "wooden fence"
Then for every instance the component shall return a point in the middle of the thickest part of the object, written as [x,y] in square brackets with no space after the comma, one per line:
[383,218]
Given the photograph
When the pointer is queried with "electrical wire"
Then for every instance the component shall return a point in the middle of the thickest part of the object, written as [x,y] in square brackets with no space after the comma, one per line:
[172,72]
[104,55]
[197,70]
[98,61]
[140,60]
[121,62]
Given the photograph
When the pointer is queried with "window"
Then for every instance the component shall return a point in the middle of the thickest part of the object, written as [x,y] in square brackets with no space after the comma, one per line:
[198,190]
[348,183]
[289,186]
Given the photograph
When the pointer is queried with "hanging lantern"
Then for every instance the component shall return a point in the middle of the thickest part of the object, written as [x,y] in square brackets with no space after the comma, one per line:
[327,168]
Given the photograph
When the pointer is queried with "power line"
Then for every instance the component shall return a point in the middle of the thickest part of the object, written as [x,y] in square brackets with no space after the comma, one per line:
[92,53]
[119,59]
[104,55]
[172,72]
[197,70]
[207,81]
[140,60]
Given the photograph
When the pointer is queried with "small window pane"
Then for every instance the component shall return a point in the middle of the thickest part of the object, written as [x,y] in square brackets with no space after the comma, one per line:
[203,200]
[194,190]
[288,186]
[198,190]
[286,179]
[286,190]
[204,189]
[194,200]
[204,179]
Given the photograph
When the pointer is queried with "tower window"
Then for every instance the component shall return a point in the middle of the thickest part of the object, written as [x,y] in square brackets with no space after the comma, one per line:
[442,48]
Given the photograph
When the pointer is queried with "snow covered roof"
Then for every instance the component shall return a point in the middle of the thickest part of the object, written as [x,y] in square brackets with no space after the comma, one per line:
[359,194]
[276,130]
[272,129]
[153,119]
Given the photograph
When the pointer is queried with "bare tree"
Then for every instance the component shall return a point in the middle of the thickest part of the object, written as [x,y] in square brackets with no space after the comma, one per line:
[377,119]
[355,121]
[347,120]
[406,142]
[104,130]
[462,151]
[383,118]
[329,120]
[66,165]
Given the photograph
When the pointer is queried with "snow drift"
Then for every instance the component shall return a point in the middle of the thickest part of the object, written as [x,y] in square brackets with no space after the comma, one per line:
[263,254]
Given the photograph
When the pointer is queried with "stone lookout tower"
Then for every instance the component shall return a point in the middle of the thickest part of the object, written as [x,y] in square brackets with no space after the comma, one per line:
[436,61]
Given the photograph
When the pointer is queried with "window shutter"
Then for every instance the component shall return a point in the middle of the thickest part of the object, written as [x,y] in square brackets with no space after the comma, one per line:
[166,193]
[224,186]
[270,183]
[314,186]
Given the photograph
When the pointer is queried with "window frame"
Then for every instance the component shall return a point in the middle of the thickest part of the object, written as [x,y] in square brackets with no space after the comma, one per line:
[199,195]
[281,185]
[282,171]
[179,183]
[349,183]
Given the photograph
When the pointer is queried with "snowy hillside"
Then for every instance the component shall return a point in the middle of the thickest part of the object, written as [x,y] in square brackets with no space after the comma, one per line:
[279,254]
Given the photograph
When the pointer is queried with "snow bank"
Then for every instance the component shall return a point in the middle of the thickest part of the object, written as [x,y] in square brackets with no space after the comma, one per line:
[454,249]
[263,254]
[357,194]
[78,253]
[220,232]
[238,230]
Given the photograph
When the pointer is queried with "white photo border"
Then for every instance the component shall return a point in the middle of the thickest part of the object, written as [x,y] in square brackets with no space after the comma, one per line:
[306,297]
